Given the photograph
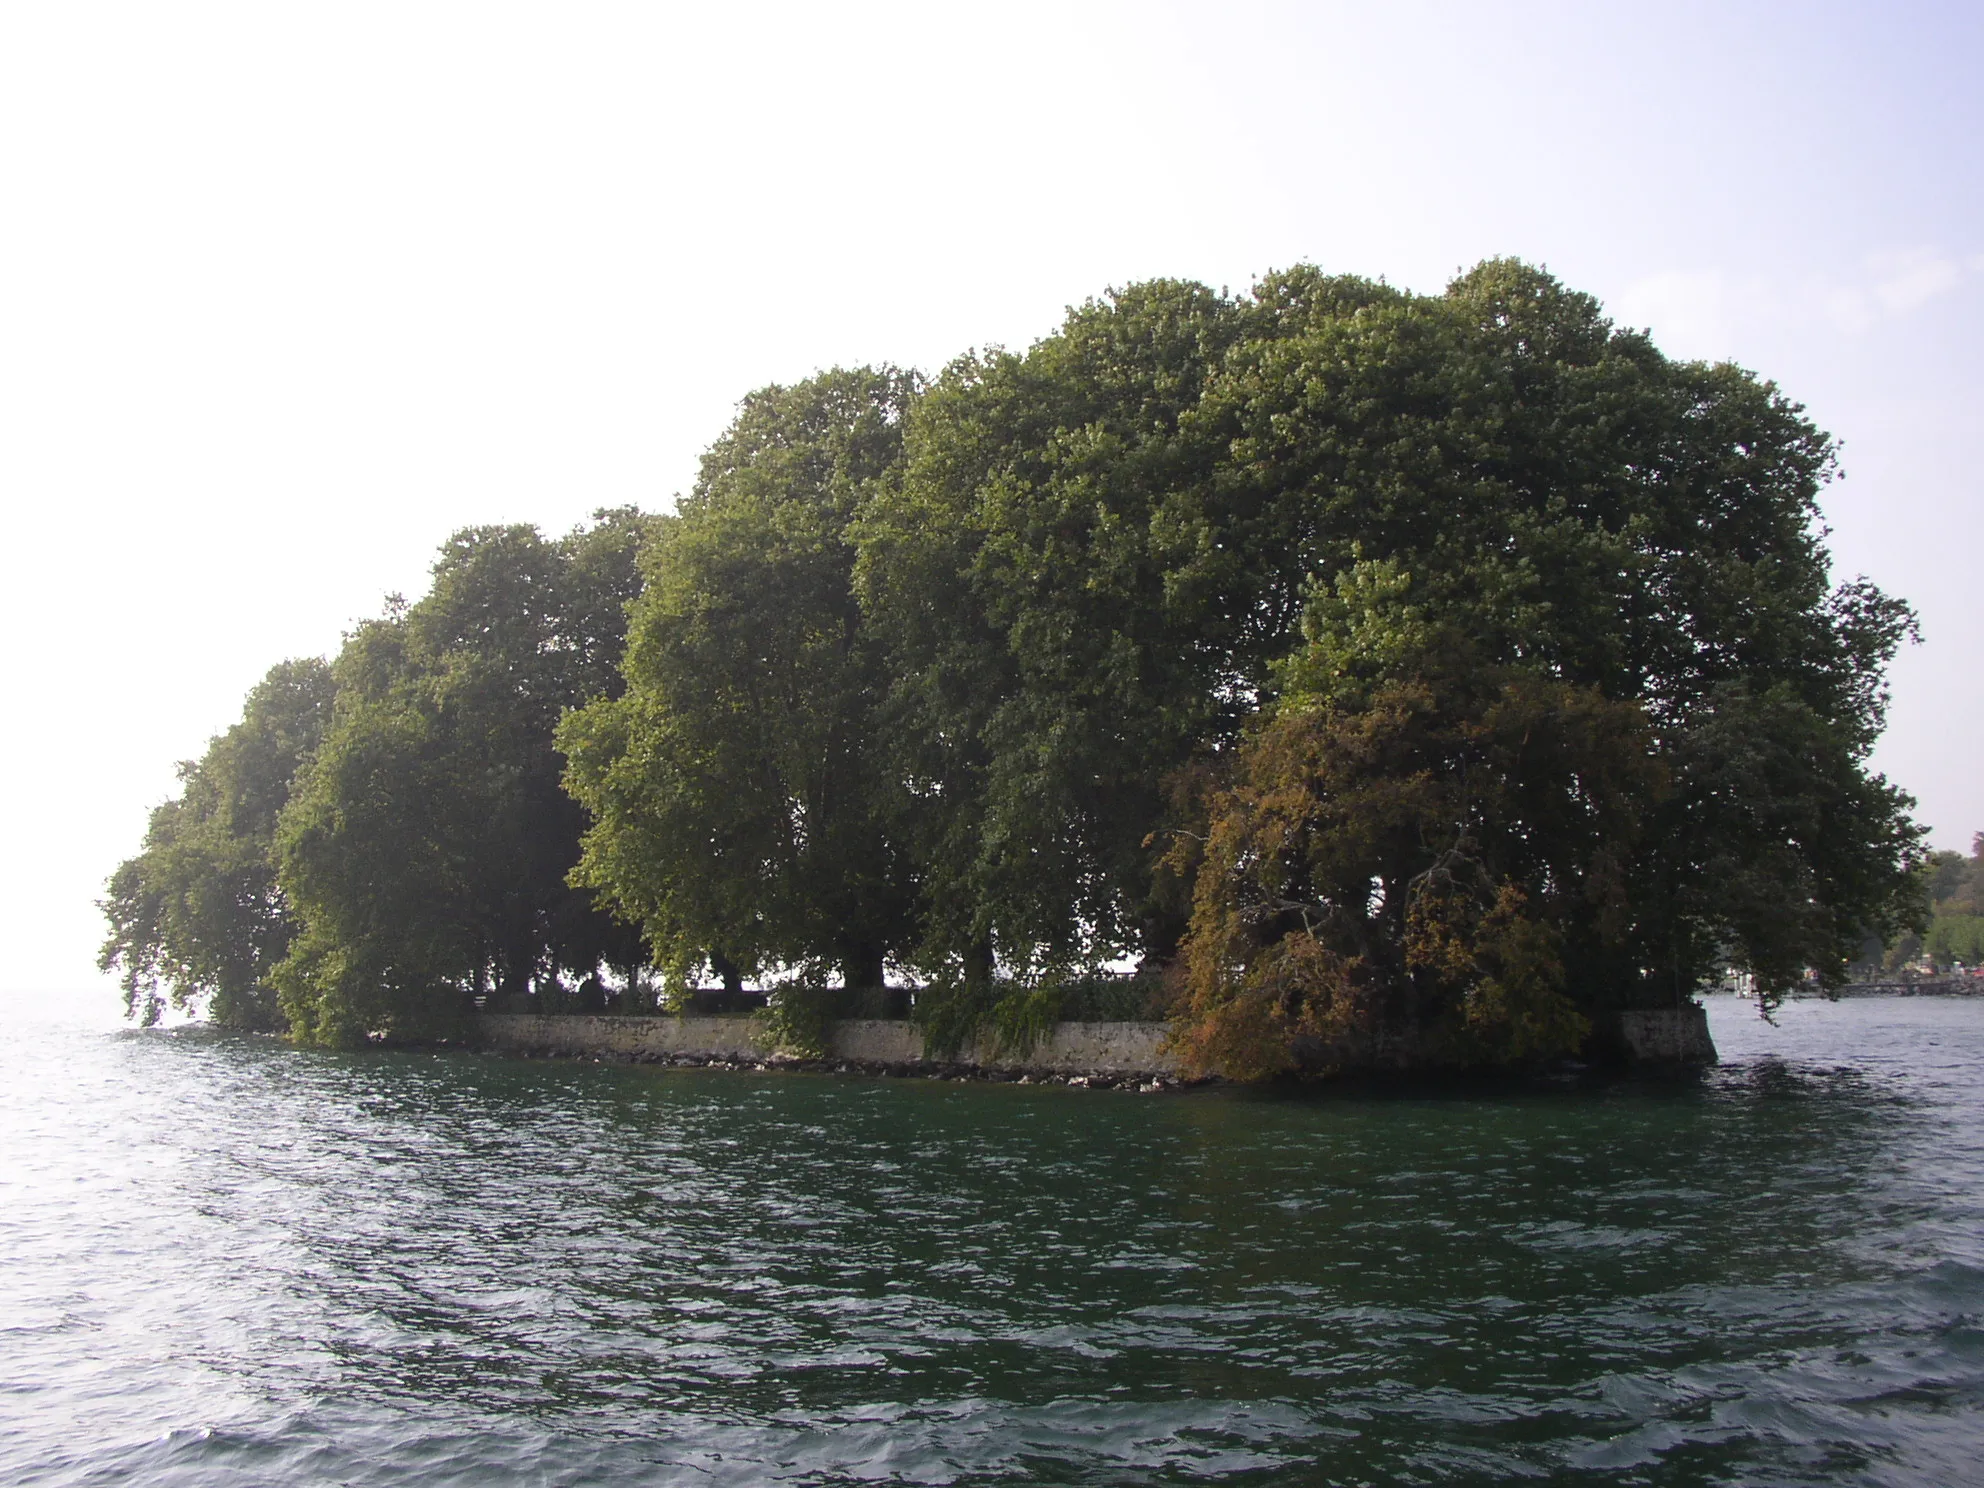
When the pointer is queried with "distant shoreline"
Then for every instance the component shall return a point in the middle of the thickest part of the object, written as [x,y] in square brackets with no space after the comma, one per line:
[1949,986]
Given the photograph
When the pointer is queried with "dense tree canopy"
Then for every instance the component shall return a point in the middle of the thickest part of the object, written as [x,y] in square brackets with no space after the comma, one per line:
[198,916]
[1433,671]
[743,810]
[1048,668]
[426,849]
[1095,565]
[1505,491]
[1952,886]
[383,838]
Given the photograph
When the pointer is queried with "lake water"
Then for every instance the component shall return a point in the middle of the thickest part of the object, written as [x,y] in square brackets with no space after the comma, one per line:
[224,1262]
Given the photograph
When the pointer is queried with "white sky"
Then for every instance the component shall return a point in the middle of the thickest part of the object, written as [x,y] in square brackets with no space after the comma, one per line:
[289,292]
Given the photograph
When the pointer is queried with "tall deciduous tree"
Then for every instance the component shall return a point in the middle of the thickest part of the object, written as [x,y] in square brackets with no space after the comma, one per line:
[1502,464]
[743,809]
[427,848]
[1047,672]
[1499,653]
[197,917]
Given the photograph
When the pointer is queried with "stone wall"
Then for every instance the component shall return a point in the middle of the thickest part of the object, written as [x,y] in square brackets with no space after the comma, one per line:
[1661,1036]
[1667,1036]
[1072,1048]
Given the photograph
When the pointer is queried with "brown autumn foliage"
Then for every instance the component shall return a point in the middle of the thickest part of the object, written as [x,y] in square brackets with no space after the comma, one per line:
[1438,867]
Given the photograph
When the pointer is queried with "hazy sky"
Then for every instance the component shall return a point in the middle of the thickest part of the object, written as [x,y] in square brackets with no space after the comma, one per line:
[288,292]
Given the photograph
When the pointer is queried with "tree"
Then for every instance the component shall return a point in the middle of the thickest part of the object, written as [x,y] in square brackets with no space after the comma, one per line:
[1455,670]
[428,845]
[1428,864]
[1607,529]
[1046,671]
[1952,889]
[198,916]
[742,810]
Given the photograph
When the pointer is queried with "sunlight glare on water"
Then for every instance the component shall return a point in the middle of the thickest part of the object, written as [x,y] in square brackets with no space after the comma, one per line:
[228,1262]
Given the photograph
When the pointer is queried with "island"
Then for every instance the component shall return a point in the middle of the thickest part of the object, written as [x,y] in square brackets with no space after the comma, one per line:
[1342,678]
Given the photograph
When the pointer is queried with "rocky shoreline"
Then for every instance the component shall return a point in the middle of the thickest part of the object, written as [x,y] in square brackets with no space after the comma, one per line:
[1141,1083]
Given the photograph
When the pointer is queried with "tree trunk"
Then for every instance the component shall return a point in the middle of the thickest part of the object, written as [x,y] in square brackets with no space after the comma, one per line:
[979,963]
[1160,934]
[514,982]
[861,968]
[726,969]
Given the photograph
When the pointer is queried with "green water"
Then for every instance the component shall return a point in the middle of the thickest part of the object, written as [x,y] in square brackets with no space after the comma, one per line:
[228,1263]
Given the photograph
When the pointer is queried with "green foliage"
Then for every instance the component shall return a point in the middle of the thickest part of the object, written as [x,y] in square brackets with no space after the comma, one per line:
[197,916]
[1956,938]
[1096,558]
[1000,1017]
[740,798]
[1115,999]
[1451,670]
[1049,663]
[1952,882]
[427,846]
[1011,1018]
[798,1017]
[1951,930]
[1496,487]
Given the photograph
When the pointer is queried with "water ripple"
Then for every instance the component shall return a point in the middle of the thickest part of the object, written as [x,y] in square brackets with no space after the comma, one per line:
[231,1263]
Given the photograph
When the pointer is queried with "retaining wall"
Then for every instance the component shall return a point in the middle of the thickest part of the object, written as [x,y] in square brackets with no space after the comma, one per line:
[1662,1036]
[1667,1036]
[1072,1048]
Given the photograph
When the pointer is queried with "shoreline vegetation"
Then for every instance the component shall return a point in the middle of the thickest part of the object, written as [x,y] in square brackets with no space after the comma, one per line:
[1390,680]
